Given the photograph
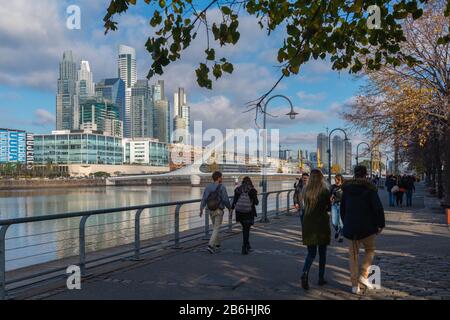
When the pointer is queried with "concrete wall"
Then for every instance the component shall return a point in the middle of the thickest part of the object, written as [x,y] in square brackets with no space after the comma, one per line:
[42,183]
[79,170]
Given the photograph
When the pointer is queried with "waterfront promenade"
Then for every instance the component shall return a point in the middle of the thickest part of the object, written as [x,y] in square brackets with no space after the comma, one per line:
[412,252]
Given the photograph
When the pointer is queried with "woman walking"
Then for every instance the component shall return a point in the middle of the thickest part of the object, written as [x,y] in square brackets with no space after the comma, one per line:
[245,202]
[336,196]
[316,225]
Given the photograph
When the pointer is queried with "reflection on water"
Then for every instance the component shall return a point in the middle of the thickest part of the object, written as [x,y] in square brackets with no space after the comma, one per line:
[32,243]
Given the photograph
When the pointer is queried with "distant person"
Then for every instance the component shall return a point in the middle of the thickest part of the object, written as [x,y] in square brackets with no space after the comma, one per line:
[316,225]
[336,196]
[363,217]
[215,199]
[389,184]
[244,203]
[410,188]
[298,194]
[400,191]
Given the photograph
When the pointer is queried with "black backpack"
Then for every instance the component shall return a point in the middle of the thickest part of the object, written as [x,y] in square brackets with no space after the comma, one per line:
[213,200]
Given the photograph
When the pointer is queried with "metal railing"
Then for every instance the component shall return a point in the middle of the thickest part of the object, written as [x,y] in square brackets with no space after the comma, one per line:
[137,250]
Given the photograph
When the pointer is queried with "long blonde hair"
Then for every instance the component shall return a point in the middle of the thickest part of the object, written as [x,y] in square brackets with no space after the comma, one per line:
[314,188]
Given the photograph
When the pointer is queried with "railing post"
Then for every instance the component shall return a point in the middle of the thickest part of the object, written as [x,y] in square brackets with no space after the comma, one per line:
[137,235]
[264,218]
[3,262]
[177,226]
[288,202]
[82,240]
[277,206]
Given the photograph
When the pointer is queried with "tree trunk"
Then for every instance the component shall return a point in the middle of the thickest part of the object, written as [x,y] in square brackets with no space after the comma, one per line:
[446,164]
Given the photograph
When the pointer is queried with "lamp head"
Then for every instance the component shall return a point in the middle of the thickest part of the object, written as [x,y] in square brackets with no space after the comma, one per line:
[292,114]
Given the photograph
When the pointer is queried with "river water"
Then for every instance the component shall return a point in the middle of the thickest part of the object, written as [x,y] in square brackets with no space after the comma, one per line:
[38,242]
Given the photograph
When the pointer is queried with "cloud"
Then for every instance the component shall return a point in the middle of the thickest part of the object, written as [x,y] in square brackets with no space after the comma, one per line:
[43,118]
[311,99]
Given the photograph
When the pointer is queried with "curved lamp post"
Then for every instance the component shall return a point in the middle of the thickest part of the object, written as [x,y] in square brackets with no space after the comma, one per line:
[292,114]
[357,155]
[329,150]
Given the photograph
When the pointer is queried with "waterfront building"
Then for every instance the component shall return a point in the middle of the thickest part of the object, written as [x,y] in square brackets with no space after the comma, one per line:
[141,110]
[181,122]
[13,146]
[313,159]
[338,153]
[128,73]
[322,151]
[98,115]
[113,91]
[67,147]
[66,97]
[348,157]
[146,151]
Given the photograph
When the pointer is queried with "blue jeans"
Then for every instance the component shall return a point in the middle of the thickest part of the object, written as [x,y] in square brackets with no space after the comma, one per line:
[391,199]
[336,217]
[312,251]
[409,194]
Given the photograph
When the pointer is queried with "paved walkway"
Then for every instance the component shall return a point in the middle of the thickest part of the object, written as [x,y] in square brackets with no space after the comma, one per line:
[413,254]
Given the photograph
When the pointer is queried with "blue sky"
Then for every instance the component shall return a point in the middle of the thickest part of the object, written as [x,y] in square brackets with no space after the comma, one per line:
[33,36]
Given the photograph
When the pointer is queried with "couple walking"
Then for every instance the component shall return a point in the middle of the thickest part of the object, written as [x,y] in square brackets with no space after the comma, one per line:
[362,215]
[215,199]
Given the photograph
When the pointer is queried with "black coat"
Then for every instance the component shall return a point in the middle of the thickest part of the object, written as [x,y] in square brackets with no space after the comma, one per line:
[361,209]
[246,216]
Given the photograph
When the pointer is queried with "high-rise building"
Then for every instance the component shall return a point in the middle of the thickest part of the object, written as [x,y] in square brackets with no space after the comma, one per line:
[338,153]
[100,115]
[313,159]
[141,110]
[112,91]
[85,82]
[322,151]
[348,157]
[13,146]
[182,119]
[161,113]
[128,73]
[66,97]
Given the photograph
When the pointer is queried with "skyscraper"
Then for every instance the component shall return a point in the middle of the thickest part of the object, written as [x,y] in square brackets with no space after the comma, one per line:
[128,73]
[322,150]
[337,153]
[85,83]
[66,97]
[161,114]
[113,91]
[141,110]
[100,115]
[348,157]
[181,120]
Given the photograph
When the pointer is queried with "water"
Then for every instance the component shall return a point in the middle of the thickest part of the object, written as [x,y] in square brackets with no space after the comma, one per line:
[38,242]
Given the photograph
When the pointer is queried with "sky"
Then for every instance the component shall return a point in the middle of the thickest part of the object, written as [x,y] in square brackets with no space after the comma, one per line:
[33,37]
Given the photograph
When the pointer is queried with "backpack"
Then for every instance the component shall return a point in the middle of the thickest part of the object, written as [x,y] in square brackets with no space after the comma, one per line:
[213,200]
[244,203]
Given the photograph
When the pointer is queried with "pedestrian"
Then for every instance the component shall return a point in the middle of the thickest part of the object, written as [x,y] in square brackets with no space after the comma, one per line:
[298,199]
[244,204]
[410,188]
[215,199]
[401,190]
[316,225]
[336,196]
[363,217]
[390,183]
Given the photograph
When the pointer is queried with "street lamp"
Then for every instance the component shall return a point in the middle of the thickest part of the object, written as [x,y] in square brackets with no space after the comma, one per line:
[371,154]
[329,150]
[292,114]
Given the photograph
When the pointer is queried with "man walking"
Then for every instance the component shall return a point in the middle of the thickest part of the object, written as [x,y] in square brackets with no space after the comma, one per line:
[298,198]
[363,217]
[215,199]
[390,183]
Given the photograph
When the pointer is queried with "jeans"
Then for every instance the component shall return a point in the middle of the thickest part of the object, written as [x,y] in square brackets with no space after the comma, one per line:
[409,194]
[399,198]
[391,199]
[312,251]
[246,234]
[369,248]
[336,217]
[216,219]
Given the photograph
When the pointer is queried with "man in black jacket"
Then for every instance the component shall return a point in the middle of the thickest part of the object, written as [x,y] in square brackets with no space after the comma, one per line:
[363,217]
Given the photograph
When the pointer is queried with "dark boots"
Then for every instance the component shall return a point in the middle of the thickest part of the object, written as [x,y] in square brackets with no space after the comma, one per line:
[305,283]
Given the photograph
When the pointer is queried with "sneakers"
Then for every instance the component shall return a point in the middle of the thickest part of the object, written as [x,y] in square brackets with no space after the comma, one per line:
[366,283]
[217,248]
[341,239]
[211,250]
[356,290]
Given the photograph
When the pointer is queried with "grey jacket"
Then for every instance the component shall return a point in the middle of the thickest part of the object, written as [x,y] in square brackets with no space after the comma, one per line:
[224,199]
